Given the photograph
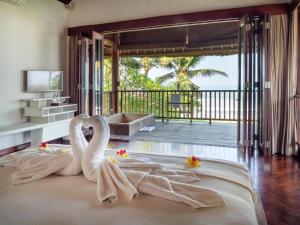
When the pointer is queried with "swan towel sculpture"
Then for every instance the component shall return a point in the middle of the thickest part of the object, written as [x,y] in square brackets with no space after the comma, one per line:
[120,182]
[116,182]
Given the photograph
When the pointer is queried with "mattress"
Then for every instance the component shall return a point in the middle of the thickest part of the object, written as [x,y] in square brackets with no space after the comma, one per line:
[72,200]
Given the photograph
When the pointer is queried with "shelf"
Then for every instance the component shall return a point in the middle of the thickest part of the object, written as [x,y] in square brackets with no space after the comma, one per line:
[23,127]
[49,98]
[49,111]
[53,117]
[59,106]
[44,102]
[39,110]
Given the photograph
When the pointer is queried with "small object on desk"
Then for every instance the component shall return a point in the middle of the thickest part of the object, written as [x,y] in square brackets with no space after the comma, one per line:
[147,129]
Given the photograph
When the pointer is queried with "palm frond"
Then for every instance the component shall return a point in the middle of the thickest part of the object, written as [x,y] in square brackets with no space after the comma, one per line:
[193,62]
[205,73]
[168,63]
[166,77]
[130,62]
[194,86]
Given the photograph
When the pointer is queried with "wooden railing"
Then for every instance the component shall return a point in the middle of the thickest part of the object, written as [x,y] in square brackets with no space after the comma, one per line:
[206,104]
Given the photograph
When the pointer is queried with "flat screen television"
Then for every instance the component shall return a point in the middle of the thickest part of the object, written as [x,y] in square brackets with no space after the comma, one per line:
[43,81]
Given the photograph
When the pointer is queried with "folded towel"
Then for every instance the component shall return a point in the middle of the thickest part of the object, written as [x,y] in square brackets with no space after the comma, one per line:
[121,184]
[39,167]
[113,185]
[192,195]
[33,165]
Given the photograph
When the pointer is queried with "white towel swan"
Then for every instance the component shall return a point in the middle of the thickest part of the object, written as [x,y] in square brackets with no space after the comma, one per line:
[34,166]
[116,182]
[120,182]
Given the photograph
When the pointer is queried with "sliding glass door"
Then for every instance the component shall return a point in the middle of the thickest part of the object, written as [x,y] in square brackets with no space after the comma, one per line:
[97,76]
[82,81]
[251,80]
[86,76]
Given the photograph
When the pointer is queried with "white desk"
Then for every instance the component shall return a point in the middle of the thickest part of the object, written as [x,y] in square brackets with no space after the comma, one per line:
[39,132]
[19,128]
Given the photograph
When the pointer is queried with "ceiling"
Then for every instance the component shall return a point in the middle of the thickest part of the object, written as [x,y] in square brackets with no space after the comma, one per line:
[204,39]
[86,12]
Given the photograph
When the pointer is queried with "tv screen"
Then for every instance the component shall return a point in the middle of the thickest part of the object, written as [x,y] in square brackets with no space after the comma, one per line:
[42,81]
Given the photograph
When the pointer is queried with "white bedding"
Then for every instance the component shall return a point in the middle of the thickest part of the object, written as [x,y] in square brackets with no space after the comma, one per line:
[72,200]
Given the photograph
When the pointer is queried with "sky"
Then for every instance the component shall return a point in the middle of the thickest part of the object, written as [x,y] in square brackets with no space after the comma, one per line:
[227,64]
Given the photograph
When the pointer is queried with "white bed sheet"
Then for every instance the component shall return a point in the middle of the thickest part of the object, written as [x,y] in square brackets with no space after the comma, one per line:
[72,200]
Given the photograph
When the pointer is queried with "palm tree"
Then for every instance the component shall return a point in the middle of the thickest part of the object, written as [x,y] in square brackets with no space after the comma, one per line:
[147,63]
[184,70]
[143,63]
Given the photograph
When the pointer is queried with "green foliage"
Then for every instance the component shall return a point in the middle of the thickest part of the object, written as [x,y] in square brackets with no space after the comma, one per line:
[134,71]
[107,74]
[132,76]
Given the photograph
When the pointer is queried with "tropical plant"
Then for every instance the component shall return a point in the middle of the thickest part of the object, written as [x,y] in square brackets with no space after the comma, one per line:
[148,63]
[107,74]
[183,70]
[131,77]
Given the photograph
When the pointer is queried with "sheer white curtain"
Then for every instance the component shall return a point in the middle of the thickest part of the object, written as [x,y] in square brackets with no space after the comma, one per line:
[278,74]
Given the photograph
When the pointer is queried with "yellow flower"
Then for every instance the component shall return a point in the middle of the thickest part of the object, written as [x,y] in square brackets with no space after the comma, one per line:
[113,159]
[193,162]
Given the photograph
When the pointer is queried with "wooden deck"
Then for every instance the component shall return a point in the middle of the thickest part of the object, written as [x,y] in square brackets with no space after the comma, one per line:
[199,133]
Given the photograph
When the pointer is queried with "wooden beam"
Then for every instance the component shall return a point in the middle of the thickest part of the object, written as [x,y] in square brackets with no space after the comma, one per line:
[226,50]
[115,72]
[143,46]
[181,19]
[294,4]
[162,45]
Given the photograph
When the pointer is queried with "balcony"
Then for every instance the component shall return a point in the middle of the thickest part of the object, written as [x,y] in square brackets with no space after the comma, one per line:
[213,113]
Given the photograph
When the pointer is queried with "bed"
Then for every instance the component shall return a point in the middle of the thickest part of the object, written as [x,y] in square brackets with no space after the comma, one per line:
[72,200]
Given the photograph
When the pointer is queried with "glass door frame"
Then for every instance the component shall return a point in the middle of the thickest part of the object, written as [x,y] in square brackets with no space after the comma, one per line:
[96,51]
[250,83]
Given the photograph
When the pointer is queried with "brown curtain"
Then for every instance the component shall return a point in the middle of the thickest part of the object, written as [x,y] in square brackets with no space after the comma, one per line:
[284,73]
[73,69]
[293,120]
[278,75]
[297,103]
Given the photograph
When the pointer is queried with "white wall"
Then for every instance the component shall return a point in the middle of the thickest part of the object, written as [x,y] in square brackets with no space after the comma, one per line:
[32,36]
[88,12]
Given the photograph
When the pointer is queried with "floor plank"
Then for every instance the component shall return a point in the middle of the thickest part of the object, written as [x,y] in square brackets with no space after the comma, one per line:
[277,179]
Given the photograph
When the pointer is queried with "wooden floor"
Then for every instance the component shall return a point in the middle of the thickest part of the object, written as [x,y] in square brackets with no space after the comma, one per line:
[277,179]
[200,133]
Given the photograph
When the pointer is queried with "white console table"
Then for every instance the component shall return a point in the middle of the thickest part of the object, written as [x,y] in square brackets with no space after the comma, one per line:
[46,122]
[39,132]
